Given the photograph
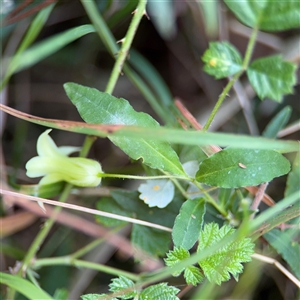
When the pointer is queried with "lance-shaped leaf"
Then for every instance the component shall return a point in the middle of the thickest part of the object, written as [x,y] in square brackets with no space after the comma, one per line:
[96,107]
[292,183]
[188,223]
[222,60]
[277,123]
[267,14]
[286,244]
[272,77]
[233,168]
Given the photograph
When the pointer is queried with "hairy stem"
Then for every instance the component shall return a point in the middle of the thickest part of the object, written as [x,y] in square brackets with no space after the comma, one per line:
[230,84]
[110,43]
[126,44]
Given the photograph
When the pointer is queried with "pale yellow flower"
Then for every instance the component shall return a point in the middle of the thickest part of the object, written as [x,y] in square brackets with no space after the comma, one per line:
[54,164]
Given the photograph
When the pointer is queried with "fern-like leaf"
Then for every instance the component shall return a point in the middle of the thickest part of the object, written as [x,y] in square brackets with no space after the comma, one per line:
[120,284]
[159,291]
[228,259]
[176,256]
[193,275]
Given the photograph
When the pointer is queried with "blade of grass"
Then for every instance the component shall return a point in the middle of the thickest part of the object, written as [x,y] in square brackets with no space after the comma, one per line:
[179,136]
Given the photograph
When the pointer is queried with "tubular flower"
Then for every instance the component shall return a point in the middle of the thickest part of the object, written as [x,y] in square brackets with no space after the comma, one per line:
[55,165]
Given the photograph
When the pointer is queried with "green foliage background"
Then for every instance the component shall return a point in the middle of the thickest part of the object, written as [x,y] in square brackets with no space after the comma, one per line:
[62,50]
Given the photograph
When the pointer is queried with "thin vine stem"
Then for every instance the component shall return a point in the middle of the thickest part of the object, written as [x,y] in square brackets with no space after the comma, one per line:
[221,99]
[137,177]
[246,61]
[89,247]
[69,261]
[39,239]
[211,200]
[126,44]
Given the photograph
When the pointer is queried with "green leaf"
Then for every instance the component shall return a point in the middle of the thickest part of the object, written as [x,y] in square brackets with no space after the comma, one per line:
[61,294]
[277,123]
[222,60]
[268,15]
[130,202]
[96,297]
[109,205]
[155,242]
[154,79]
[286,244]
[24,287]
[122,283]
[159,291]
[233,168]
[292,184]
[49,46]
[188,223]
[226,260]
[163,17]
[176,256]
[193,275]
[157,192]
[272,77]
[96,107]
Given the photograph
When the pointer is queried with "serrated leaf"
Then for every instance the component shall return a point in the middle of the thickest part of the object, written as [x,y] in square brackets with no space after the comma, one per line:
[222,60]
[193,275]
[176,256]
[227,260]
[122,283]
[96,107]
[159,291]
[277,123]
[188,223]
[155,242]
[233,168]
[96,297]
[292,183]
[157,192]
[267,14]
[272,77]
[286,245]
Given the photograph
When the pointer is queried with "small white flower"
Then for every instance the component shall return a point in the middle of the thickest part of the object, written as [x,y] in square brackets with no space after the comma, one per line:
[54,164]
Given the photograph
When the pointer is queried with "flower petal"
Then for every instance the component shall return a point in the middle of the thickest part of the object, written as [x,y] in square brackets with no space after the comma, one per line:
[55,165]
[67,150]
[46,146]
[51,178]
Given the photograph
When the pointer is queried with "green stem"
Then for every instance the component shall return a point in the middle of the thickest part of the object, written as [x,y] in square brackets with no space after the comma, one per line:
[93,244]
[211,200]
[124,176]
[110,43]
[39,239]
[250,48]
[126,44]
[221,99]
[69,261]
[35,246]
[230,84]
